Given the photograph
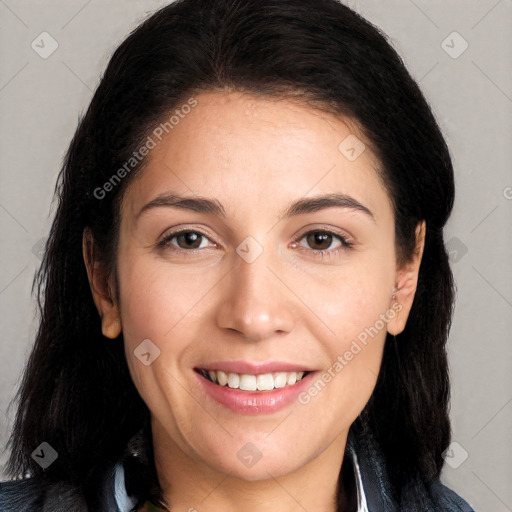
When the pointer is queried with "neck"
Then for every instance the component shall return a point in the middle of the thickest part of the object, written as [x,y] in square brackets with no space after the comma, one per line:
[190,485]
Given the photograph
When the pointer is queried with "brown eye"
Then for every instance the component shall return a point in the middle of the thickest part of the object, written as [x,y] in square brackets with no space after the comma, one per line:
[319,240]
[185,240]
[189,240]
[323,243]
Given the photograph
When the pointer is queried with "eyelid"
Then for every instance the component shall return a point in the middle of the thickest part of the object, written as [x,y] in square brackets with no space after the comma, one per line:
[344,244]
[342,233]
[346,240]
[169,234]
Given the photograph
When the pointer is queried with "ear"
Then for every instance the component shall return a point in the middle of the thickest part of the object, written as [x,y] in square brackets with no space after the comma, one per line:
[101,288]
[406,282]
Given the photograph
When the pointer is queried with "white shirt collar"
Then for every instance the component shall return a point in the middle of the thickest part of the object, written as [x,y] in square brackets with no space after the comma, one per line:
[125,503]
[362,506]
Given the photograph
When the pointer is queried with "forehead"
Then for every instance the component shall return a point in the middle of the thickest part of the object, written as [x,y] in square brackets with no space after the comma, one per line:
[242,149]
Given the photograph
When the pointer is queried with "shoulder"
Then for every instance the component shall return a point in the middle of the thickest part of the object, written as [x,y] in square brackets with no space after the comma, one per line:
[447,499]
[37,495]
[381,495]
[41,495]
[20,495]
[105,488]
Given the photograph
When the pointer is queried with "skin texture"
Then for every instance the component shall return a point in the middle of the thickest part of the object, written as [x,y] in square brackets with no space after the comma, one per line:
[255,156]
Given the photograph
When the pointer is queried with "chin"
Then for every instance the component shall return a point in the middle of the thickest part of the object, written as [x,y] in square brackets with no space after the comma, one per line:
[255,461]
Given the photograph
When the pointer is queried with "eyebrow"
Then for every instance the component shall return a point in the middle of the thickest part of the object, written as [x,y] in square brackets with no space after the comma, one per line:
[213,206]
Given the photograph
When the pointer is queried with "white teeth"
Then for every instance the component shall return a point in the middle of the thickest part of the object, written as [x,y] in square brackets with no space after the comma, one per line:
[280,380]
[222,378]
[262,382]
[233,380]
[248,382]
[291,379]
[265,382]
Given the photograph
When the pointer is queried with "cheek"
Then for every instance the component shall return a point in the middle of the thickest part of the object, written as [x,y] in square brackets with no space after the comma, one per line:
[150,307]
[352,307]
[155,298]
[166,306]
[351,298]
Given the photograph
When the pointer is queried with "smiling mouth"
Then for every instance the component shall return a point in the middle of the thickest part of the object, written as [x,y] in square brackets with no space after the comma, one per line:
[249,382]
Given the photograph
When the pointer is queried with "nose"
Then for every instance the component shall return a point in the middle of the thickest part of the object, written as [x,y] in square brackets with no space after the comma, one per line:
[256,301]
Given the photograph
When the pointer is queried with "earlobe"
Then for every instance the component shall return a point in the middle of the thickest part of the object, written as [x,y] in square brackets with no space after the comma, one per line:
[101,288]
[406,285]
[111,326]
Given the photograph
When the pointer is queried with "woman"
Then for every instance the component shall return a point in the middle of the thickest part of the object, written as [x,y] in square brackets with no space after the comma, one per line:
[245,294]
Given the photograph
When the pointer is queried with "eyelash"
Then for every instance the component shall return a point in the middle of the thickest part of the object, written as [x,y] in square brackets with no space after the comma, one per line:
[318,253]
[325,253]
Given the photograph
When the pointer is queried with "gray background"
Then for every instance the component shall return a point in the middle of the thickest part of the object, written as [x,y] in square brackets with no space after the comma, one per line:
[41,100]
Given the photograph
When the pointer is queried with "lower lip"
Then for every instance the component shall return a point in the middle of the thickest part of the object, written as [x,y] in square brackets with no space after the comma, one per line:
[255,402]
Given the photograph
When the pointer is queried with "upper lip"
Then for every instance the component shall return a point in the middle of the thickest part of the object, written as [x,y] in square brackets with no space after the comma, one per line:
[255,367]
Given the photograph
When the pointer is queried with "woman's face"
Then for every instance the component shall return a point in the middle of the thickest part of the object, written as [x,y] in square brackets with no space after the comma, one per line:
[254,286]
